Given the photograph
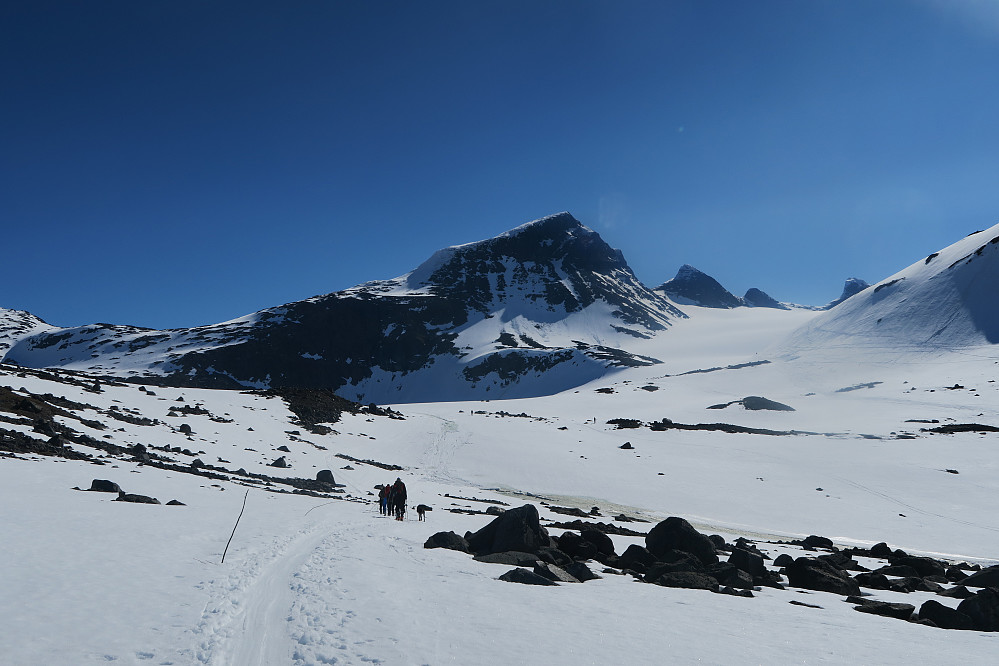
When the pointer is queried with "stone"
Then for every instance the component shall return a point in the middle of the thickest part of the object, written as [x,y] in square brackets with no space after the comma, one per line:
[814,541]
[881,551]
[575,546]
[603,543]
[957,592]
[886,609]
[104,486]
[983,609]
[510,557]
[635,554]
[783,560]
[280,462]
[747,561]
[555,573]
[554,556]
[924,566]
[873,580]
[581,572]
[516,529]
[943,616]
[174,502]
[687,579]
[186,429]
[898,571]
[325,476]
[137,499]
[815,574]
[448,540]
[675,533]
[985,578]
[525,577]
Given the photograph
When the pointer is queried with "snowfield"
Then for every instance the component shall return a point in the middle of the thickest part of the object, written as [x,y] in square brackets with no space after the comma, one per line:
[327,580]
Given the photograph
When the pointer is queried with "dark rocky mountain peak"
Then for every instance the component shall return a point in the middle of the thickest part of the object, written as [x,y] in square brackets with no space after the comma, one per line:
[756,298]
[692,287]
[494,318]
[851,287]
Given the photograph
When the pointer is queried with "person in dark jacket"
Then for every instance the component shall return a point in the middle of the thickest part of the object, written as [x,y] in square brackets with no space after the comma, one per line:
[399,499]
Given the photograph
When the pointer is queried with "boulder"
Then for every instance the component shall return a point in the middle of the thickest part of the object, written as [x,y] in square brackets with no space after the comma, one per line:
[137,499]
[636,554]
[603,543]
[174,502]
[510,557]
[957,592]
[516,529]
[944,617]
[881,551]
[675,533]
[814,541]
[899,571]
[983,609]
[576,546]
[555,573]
[984,578]
[554,556]
[924,566]
[872,580]
[448,540]
[325,476]
[751,563]
[687,579]
[897,611]
[280,462]
[783,560]
[104,486]
[815,574]
[581,572]
[525,577]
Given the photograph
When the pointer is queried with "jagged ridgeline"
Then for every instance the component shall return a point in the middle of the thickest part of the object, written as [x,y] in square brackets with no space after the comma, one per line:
[536,310]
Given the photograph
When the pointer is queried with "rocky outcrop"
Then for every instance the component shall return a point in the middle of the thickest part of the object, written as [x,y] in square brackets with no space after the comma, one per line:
[692,287]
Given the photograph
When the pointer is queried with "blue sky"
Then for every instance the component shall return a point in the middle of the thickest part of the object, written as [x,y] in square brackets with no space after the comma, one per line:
[179,163]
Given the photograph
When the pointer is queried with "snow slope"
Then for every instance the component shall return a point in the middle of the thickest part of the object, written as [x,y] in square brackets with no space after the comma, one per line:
[321,580]
[946,301]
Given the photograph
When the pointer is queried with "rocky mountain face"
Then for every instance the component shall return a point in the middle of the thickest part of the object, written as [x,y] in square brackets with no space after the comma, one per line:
[17,324]
[692,287]
[535,310]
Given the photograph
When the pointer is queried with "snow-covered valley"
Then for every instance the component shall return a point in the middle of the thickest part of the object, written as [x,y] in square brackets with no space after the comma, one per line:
[313,579]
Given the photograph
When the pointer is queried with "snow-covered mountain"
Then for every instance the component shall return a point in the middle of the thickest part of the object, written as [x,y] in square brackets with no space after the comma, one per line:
[538,309]
[16,325]
[946,301]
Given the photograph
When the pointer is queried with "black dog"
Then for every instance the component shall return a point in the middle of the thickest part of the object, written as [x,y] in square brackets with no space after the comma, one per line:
[421,509]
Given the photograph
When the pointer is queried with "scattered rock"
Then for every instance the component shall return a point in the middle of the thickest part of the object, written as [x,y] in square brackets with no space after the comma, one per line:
[280,462]
[555,573]
[687,579]
[525,577]
[104,486]
[983,609]
[943,616]
[897,611]
[138,499]
[174,502]
[815,574]
[984,578]
[675,533]
[516,529]
[448,540]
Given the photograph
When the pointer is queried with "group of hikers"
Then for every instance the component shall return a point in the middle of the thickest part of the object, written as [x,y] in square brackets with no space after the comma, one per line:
[392,499]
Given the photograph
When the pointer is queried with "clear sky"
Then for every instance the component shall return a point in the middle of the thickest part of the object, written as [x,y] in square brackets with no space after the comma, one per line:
[176,163]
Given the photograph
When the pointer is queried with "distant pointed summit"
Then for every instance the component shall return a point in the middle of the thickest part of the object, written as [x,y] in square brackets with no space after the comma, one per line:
[852,287]
[692,287]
